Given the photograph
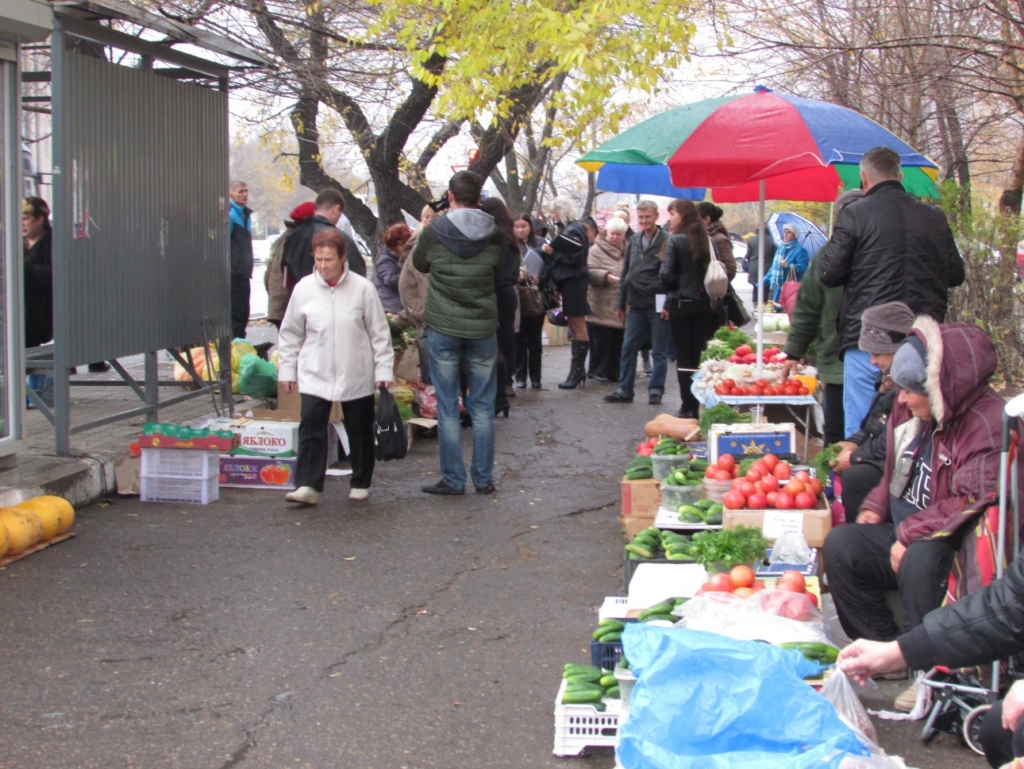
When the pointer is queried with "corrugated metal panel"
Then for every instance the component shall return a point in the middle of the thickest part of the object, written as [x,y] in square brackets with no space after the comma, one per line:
[141,224]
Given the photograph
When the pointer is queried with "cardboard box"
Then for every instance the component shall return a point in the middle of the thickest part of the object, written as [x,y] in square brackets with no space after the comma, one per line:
[815,524]
[291,404]
[641,499]
[632,526]
[211,442]
[555,336]
[127,475]
[270,437]
[246,472]
[751,440]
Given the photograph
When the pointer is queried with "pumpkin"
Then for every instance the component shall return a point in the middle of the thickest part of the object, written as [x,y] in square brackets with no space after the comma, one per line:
[47,513]
[67,512]
[24,529]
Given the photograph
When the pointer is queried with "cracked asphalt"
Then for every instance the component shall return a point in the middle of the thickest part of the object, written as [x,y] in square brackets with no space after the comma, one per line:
[406,632]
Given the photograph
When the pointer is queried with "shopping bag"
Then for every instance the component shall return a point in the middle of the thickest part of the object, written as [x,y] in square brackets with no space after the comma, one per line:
[701,695]
[735,310]
[256,376]
[716,279]
[789,292]
[388,430]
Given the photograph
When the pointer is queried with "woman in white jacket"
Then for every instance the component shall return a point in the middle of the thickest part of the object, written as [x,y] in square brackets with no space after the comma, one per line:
[334,345]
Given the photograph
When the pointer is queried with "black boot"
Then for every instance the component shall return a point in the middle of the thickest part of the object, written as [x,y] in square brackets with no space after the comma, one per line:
[501,403]
[578,369]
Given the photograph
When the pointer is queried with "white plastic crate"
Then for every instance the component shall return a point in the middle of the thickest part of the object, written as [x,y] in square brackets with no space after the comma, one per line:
[194,491]
[578,727]
[180,463]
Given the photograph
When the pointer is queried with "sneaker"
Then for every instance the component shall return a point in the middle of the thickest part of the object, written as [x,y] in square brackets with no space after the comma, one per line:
[906,701]
[654,399]
[358,494]
[488,489]
[304,495]
[618,397]
[442,488]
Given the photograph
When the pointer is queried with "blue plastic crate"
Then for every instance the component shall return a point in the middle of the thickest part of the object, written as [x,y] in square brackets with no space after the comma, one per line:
[605,655]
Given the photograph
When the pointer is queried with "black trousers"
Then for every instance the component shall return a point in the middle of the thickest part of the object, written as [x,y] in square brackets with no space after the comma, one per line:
[605,351]
[859,574]
[835,429]
[529,348]
[239,305]
[311,467]
[508,300]
[692,323]
[858,481]
[1001,745]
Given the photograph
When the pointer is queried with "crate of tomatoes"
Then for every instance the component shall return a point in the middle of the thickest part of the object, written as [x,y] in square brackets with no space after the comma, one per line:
[762,388]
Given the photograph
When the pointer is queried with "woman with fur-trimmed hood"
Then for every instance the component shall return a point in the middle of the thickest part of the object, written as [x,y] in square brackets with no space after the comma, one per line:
[942,456]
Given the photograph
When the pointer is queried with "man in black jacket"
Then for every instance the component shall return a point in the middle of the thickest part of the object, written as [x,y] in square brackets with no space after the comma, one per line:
[639,285]
[986,625]
[887,247]
[298,250]
[240,220]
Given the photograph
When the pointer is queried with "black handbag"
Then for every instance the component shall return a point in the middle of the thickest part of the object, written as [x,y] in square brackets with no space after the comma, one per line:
[531,301]
[388,430]
[549,294]
[735,311]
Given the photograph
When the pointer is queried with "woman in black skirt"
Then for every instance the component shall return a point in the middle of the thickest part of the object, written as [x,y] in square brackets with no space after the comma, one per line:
[529,347]
[566,265]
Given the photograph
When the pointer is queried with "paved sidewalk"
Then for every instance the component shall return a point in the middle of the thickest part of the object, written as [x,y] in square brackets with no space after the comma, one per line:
[88,475]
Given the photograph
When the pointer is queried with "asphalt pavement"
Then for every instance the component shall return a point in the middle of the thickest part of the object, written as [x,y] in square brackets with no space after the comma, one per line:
[407,631]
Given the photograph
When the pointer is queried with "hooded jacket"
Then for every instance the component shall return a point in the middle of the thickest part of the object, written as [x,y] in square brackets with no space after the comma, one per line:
[464,253]
[385,279]
[814,322]
[890,247]
[967,418]
[872,435]
[298,251]
[241,240]
[334,340]
[603,260]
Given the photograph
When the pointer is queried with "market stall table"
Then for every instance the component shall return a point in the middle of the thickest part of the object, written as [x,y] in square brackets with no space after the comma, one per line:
[793,404]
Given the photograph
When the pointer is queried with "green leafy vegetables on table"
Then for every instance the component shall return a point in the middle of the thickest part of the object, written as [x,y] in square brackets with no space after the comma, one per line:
[720,351]
[732,337]
[730,547]
[721,414]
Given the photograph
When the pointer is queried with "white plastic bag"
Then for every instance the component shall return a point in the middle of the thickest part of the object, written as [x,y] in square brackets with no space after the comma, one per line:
[775,616]
[791,547]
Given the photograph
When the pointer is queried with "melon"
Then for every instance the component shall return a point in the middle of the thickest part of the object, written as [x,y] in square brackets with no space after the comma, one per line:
[5,541]
[67,512]
[47,513]
[24,529]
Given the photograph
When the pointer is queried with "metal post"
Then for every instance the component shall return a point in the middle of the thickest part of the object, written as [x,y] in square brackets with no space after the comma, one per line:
[152,387]
[224,352]
[759,312]
[61,218]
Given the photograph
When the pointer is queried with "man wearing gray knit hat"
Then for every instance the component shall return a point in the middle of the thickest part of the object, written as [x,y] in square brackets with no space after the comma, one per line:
[862,460]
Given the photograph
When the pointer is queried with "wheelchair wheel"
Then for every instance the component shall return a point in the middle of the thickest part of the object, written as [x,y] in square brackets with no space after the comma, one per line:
[972,727]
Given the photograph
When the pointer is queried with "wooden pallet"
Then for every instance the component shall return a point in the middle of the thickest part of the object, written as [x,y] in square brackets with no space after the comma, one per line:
[34,549]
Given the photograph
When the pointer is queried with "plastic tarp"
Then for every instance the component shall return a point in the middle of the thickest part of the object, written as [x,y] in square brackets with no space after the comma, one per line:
[704,700]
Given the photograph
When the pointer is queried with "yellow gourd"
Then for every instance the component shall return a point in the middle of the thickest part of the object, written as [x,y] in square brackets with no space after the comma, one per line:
[24,529]
[67,512]
[47,513]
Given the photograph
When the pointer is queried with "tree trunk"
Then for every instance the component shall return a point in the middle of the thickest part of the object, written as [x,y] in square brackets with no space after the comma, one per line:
[588,207]
[514,191]
[1010,200]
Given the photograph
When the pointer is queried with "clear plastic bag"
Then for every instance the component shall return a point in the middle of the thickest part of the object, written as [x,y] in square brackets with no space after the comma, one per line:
[839,691]
[791,547]
[775,616]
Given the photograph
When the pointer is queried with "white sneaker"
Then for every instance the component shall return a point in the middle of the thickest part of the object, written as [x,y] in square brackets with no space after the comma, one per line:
[359,494]
[907,699]
[305,495]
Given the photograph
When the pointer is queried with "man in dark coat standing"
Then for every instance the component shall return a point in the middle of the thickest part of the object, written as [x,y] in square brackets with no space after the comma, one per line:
[298,251]
[241,257]
[887,247]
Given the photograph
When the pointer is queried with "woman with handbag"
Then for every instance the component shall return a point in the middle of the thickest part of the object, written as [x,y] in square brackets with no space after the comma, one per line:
[691,313]
[788,265]
[711,215]
[604,325]
[529,342]
[567,266]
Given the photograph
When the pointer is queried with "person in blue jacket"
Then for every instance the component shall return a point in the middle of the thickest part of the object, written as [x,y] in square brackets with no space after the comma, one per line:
[789,255]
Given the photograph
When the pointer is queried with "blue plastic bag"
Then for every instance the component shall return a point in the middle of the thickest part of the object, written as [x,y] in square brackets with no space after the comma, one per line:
[705,700]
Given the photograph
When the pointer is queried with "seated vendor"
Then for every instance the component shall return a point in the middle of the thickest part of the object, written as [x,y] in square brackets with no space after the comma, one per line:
[942,454]
[861,462]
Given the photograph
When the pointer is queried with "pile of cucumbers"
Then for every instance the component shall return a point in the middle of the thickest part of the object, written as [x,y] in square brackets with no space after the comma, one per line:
[668,445]
[820,653]
[693,475]
[641,469]
[702,511]
[657,543]
[588,685]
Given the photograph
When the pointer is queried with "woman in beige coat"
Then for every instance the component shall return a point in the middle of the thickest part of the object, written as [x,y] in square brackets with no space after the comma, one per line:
[605,326]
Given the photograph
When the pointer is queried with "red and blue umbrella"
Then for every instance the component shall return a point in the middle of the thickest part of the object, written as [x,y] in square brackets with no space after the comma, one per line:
[803,149]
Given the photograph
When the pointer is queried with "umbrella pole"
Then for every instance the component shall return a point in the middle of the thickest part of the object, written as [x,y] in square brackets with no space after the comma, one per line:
[831,217]
[761,233]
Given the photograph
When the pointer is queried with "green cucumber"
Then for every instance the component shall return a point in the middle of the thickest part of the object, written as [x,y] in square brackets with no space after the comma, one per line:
[691,518]
[704,504]
[639,550]
[659,608]
[699,465]
[713,519]
[612,693]
[583,698]
[574,669]
[680,557]
[612,622]
[609,638]
[662,617]
[608,681]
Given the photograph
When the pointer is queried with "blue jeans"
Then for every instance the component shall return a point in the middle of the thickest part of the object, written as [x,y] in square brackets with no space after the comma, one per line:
[481,359]
[859,378]
[638,323]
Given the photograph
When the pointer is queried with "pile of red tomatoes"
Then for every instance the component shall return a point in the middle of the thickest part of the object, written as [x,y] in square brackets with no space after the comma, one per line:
[769,484]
